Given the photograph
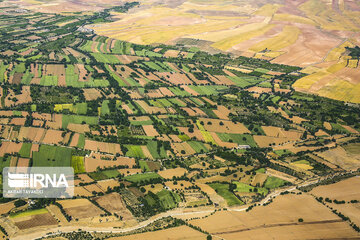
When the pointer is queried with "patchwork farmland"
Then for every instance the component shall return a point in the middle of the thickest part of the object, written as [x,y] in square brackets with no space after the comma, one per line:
[212,135]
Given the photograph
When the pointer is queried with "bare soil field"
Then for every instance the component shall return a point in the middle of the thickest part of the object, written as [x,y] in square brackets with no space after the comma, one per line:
[114,203]
[45,219]
[91,94]
[80,208]
[13,99]
[6,207]
[23,162]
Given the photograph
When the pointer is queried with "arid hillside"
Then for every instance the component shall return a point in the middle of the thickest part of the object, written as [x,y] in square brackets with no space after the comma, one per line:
[311,34]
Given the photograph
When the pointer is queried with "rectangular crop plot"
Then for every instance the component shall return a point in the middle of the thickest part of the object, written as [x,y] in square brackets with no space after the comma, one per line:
[106,58]
[241,139]
[66,119]
[25,150]
[52,156]
[142,177]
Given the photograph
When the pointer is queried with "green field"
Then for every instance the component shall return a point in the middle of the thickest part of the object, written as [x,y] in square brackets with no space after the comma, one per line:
[153,146]
[29,213]
[274,182]
[184,137]
[208,90]
[168,199]
[144,166]
[4,162]
[106,58]
[134,151]
[121,47]
[77,162]
[25,150]
[241,139]
[157,66]
[223,190]
[353,148]
[142,177]
[87,46]
[282,152]
[179,92]
[105,110]
[78,119]
[52,156]
[176,102]
[245,188]
[339,128]
[97,176]
[81,142]
[244,82]
[198,146]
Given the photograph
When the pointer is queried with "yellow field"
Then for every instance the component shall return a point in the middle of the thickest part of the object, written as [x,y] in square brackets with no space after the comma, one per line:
[336,67]
[207,136]
[308,81]
[287,37]
[293,18]
[229,42]
[336,53]
[328,19]
[221,35]
[268,10]
[353,63]
[61,107]
[160,24]
[342,90]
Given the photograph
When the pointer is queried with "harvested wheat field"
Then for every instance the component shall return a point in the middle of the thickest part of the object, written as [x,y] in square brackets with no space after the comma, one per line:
[150,131]
[112,148]
[223,126]
[344,190]
[80,208]
[278,220]
[340,157]
[104,185]
[170,173]
[98,160]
